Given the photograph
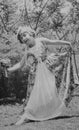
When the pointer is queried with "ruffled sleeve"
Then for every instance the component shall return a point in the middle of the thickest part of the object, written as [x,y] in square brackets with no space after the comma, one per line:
[54,61]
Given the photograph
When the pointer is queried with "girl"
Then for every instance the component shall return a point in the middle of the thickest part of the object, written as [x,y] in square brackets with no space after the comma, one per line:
[44,102]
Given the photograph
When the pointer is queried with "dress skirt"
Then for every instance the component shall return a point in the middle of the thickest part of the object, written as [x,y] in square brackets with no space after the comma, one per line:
[44,102]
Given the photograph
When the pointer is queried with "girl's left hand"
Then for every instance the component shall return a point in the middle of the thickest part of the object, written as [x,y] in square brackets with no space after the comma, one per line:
[5,63]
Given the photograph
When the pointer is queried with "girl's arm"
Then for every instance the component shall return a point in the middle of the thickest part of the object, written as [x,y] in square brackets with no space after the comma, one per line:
[14,68]
[18,65]
[54,42]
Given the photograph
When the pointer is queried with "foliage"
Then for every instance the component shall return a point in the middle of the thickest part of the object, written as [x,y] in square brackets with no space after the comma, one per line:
[46,18]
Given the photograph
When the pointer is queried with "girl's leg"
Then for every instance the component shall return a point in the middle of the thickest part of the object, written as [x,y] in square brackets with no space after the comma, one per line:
[21,121]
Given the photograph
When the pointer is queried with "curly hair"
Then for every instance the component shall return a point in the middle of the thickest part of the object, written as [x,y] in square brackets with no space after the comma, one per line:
[23,29]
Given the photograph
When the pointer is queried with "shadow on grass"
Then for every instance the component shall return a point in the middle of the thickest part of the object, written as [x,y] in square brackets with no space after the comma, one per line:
[31,121]
[65,117]
[9,100]
[75,95]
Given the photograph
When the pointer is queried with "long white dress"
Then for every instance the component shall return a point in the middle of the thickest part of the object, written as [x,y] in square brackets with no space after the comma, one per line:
[44,102]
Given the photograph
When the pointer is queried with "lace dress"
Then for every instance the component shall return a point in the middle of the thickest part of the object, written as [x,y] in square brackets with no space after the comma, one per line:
[44,102]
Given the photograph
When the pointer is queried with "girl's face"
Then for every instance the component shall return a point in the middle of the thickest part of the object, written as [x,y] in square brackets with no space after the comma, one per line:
[27,38]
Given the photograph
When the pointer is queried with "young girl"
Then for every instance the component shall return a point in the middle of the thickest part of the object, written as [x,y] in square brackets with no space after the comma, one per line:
[44,102]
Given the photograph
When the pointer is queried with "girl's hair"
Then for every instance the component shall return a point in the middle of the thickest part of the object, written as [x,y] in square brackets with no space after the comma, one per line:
[23,29]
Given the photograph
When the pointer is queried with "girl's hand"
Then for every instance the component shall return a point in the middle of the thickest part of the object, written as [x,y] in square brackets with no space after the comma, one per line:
[5,63]
[6,72]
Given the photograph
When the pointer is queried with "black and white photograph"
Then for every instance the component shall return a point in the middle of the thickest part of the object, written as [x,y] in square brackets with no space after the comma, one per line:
[39,64]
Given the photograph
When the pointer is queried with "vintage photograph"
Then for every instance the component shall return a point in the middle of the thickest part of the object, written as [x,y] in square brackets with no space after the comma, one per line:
[39,65]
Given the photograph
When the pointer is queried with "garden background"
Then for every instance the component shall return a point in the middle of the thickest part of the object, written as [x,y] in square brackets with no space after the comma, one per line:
[54,19]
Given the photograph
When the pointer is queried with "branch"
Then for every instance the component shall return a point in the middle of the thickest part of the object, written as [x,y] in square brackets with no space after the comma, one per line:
[50,15]
[40,14]
[64,35]
[27,13]
[75,37]
[57,34]
[3,23]
[17,20]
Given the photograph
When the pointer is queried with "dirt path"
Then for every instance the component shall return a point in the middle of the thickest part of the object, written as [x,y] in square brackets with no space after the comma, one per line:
[69,119]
